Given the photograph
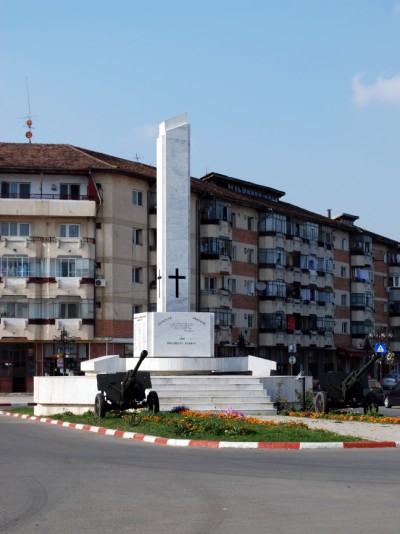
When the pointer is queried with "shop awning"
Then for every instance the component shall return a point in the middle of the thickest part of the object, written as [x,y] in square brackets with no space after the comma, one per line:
[350,351]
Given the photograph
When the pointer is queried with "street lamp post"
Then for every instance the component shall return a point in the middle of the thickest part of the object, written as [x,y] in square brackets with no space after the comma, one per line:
[65,339]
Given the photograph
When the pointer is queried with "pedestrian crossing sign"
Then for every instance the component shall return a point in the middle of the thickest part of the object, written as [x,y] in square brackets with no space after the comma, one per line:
[380,348]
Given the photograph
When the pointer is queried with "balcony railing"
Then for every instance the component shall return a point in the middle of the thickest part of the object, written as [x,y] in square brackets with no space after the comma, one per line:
[46,196]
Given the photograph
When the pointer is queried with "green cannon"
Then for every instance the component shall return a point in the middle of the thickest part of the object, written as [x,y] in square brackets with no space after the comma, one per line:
[125,391]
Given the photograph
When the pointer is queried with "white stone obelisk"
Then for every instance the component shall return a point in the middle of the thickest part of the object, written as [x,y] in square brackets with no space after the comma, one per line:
[173,215]
[174,336]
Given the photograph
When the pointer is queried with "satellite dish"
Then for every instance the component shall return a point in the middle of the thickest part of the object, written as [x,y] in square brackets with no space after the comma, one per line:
[260,286]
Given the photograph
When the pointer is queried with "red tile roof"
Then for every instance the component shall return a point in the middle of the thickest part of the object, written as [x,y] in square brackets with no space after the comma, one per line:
[20,157]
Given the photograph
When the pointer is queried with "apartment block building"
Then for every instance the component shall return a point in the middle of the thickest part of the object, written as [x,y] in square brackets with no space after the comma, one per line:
[78,242]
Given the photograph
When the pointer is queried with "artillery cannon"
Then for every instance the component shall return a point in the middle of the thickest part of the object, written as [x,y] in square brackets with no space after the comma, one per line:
[125,391]
[342,390]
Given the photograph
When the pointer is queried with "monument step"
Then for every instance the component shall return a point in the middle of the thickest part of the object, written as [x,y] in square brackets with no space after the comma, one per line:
[241,393]
[206,379]
[177,389]
[200,397]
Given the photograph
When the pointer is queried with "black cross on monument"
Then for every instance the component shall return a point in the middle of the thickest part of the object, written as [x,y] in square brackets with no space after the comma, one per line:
[177,278]
[159,277]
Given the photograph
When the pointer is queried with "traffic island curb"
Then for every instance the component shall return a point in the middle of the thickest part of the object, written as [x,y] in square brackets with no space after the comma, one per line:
[209,444]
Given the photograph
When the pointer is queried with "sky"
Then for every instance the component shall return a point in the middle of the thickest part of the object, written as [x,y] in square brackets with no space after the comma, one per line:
[299,95]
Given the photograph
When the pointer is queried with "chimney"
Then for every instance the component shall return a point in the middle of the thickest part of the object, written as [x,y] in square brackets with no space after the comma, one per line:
[329,213]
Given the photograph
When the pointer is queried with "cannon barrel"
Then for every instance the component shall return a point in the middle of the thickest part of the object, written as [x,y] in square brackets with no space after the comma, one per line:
[142,356]
[352,379]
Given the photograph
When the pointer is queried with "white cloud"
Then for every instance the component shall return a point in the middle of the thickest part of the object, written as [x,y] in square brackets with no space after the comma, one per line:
[383,91]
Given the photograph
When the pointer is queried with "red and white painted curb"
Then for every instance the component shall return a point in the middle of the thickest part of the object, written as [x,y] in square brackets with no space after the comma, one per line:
[209,444]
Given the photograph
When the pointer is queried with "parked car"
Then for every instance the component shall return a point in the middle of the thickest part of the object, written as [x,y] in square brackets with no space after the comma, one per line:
[390,380]
[392,397]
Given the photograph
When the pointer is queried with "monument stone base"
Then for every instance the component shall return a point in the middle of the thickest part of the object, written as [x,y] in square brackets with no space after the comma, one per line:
[174,334]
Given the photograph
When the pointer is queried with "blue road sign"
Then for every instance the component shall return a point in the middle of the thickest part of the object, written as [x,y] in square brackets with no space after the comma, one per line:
[380,348]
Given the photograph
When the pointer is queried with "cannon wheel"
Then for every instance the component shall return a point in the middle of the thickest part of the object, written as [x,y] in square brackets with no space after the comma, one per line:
[370,404]
[100,405]
[321,402]
[153,404]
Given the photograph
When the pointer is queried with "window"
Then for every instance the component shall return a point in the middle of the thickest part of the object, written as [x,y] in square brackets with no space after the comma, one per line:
[70,230]
[250,223]
[344,244]
[136,236]
[394,281]
[272,256]
[16,266]
[137,198]
[232,285]
[233,252]
[15,229]
[69,310]
[234,220]
[250,287]
[70,191]
[272,222]
[215,210]
[250,320]
[14,309]
[210,284]
[136,309]
[216,246]
[343,272]
[137,275]
[15,190]
[250,255]
[343,300]
[344,327]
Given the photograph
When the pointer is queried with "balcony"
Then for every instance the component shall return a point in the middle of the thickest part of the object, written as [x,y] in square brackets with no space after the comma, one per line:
[216,298]
[215,266]
[48,205]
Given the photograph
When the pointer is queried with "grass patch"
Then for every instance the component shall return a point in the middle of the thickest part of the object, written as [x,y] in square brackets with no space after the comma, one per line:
[187,424]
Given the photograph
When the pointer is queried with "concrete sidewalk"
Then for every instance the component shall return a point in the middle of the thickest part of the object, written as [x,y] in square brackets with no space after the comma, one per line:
[15,399]
[370,431]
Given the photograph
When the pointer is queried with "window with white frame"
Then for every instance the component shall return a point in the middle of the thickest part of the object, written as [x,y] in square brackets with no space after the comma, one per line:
[210,283]
[233,252]
[137,197]
[250,320]
[250,223]
[343,272]
[15,189]
[344,327]
[15,229]
[250,287]
[70,230]
[343,299]
[394,281]
[232,285]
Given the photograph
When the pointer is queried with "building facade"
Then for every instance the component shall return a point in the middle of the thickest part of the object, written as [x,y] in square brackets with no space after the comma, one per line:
[78,242]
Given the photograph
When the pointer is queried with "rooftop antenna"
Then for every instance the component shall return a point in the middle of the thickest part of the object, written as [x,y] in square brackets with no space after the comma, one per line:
[29,122]
[137,157]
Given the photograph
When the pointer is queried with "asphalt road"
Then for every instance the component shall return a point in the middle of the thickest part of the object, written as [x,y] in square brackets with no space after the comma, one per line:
[60,480]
